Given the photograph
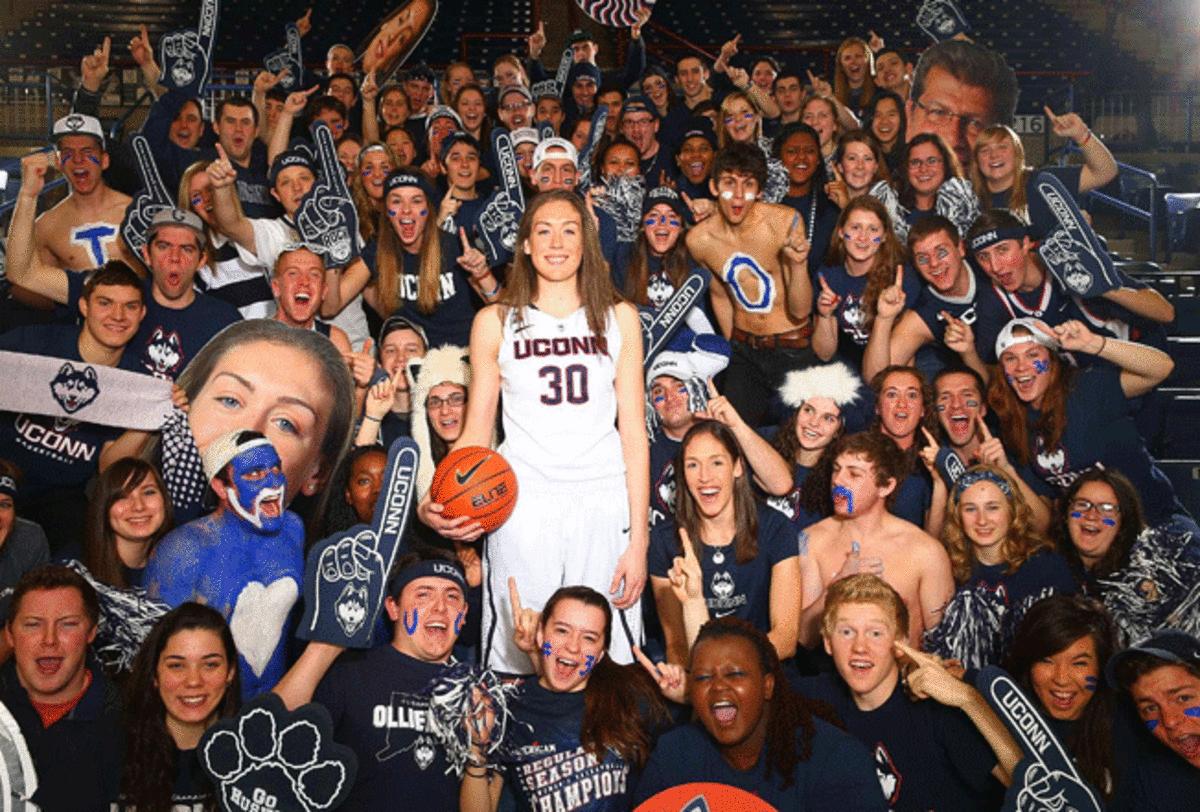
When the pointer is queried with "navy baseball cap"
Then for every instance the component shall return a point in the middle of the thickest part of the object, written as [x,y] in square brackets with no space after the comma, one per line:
[1171,646]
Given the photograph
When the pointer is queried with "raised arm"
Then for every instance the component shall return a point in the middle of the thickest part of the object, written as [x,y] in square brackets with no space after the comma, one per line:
[1099,166]
[796,281]
[768,467]
[1146,302]
[25,268]
[825,331]
[1142,367]
[785,607]
[888,308]
[230,220]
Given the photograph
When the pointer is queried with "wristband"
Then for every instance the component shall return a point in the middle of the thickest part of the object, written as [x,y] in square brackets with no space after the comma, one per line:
[1083,143]
[372,419]
[493,293]
[1103,344]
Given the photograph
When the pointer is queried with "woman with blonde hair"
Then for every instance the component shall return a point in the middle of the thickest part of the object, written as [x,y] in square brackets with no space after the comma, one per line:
[853,75]
[1001,563]
[375,162]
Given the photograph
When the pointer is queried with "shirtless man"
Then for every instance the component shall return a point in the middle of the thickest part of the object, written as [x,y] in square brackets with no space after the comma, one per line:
[862,536]
[83,231]
[759,252]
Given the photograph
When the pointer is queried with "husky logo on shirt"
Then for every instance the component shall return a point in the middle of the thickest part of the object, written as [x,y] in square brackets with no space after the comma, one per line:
[74,388]
[722,585]
[423,750]
[664,489]
[163,353]
[889,776]
[1051,462]
[855,319]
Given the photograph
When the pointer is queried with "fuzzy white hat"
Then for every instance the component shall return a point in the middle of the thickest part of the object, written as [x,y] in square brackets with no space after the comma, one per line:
[445,364]
[835,381]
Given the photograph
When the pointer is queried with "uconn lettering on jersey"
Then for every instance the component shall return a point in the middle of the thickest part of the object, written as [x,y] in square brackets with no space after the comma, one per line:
[54,443]
[546,347]
[409,283]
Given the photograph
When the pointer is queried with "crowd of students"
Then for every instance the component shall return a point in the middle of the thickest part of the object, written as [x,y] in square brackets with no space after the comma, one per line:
[903,438]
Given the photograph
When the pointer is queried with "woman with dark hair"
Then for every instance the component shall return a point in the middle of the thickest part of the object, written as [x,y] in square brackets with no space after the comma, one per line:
[471,105]
[930,180]
[185,678]
[859,164]
[726,553]
[358,480]
[864,258]
[887,122]
[1058,655]
[1001,564]
[566,351]
[581,709]
[753,732]
[127,515]
[798,148]
[659,261]
[1147,577]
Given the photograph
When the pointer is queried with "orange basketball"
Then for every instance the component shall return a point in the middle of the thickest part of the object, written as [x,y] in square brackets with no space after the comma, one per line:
[705,796]
[475,482]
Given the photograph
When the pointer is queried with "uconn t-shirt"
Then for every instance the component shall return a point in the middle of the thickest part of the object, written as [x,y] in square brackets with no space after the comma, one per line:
[546,766]
[730,588]
[927,755]
[380,711]
[852,309]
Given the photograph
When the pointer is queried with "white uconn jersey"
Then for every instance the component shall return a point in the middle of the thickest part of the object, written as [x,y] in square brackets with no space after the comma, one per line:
[559,402]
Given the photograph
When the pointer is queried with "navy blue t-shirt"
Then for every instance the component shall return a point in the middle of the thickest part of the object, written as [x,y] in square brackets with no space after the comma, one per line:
[789,504]
[546,766]
[662,480]
[927,755]
[851,310]
[838,774]
[53,452]
[168,337]
[913,497]
[981,618]
[996,307]
[450,321]
[380,711]
[930,304]
[822,225]
[1100,433]
[730,588]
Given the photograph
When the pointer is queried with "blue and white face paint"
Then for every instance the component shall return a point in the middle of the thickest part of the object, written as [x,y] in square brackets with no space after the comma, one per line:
[258,489]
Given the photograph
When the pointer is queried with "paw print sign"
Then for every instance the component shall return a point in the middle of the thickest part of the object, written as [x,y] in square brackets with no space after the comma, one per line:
[327,218]
[270,758]
[345,574]
[290,57]
[153,198]
[1046,777]
[501,214]
[186,55]
[941,20]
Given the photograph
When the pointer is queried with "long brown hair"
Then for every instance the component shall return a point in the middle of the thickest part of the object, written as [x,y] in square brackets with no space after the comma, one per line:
[891,253]
[841,85]
[1129,527]
[100,544]
[950,165]
[863,137]
[675,265]
[368,213]
[1012,412]
[1020,542]
[1016,201]
[617,697]
[593,281]
[390,262]
[745,512]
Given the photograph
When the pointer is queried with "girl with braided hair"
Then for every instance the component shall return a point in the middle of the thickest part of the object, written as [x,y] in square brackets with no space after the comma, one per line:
[755,733]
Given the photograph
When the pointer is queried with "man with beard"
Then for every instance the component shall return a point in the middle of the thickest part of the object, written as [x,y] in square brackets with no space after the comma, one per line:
[178,322]
[863,535]
[943,313]
[83,230]
[298,284]
[762,296]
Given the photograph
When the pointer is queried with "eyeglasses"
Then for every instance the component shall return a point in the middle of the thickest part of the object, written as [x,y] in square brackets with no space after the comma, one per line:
[941,117]
[637,122]
[433,402]
[931,161]
[1107,509]
[663,219]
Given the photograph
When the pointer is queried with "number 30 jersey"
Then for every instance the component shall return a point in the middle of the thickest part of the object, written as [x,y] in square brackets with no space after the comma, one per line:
[558,397]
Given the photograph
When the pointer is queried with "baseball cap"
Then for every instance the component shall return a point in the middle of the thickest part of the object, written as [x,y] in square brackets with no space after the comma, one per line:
[178,217]
[697,127]
[639,104]
[394,323]
[221,451]
[583,70]
[79,124]
[1172,646]
[441,111]
[545,89]
[559,145]
[289,158]
[525,135]
[1008,337]
[579,35]
[667,195]
[524,91]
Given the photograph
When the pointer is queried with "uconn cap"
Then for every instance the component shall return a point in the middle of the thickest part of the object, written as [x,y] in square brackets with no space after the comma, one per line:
[79,124]
[288,159]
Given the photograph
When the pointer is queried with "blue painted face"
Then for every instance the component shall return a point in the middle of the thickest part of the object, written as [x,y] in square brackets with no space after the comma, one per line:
[844,493]
[259,489]
[1041,366]
[546,649]
[591,662]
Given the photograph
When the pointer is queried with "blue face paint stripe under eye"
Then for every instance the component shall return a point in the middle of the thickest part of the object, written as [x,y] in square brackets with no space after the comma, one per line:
[546,650]
[1091,683]
[1076,515]
[1151,724]
[458,623]
[1109,522]
[587,668]
[1192,712]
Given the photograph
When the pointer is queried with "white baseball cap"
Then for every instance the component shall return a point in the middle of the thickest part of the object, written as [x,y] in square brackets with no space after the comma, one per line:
[557,144]
[79,124]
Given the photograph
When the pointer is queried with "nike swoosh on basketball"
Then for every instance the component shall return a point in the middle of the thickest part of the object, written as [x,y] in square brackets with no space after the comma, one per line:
[462,478]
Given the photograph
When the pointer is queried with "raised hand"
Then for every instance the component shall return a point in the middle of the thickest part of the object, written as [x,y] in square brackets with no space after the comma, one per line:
[94,67]
[361,364]
[738,76]
[304,24]
[288,61]
[265,80]
[1074,336]
[643,17]
[728,51]
[719,408]
[855,563]
[327,217]
[991,449]
[139,47]
[1068,125]
[186,55]
[958,336]
[837,190]
[928,678]
[701,208]
[795,249]
[369,89]
[296,101]
[345,574]
[827,300]
[380,398]
[153,198]
[34,168]
[874,42]
[929,452]
[892,298]
[221,172]
[472,259]
[525,621]
[943,461]
[671,679]
[687,580]
[537,41]
[819,86]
